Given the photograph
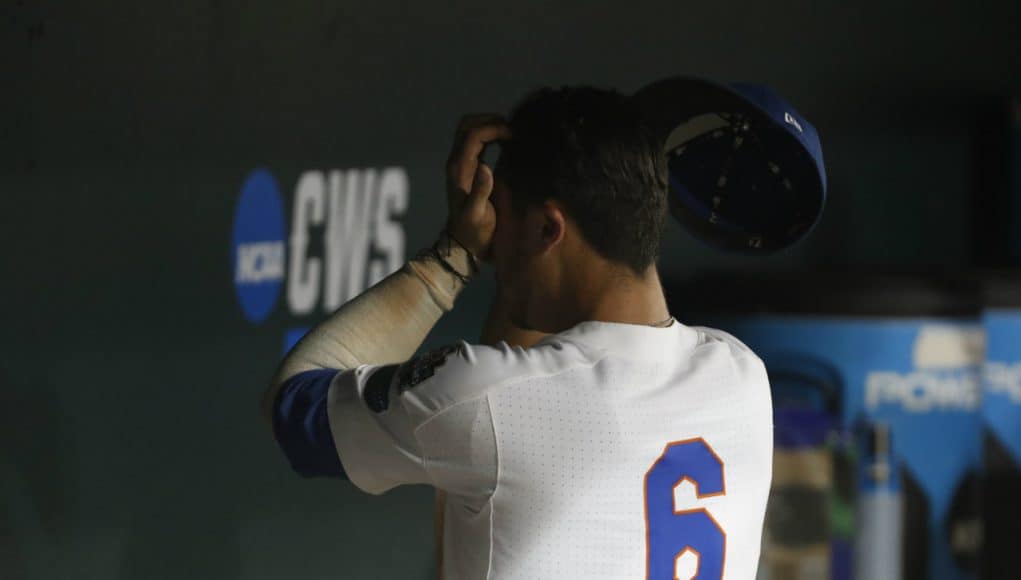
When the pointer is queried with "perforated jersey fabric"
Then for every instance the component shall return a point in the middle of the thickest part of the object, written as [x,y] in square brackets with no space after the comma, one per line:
[544,452]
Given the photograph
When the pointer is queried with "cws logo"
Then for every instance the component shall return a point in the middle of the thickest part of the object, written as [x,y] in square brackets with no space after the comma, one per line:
[345,235]
[945,378]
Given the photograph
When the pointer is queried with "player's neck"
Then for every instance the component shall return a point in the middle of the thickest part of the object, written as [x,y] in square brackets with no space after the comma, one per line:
[617,296]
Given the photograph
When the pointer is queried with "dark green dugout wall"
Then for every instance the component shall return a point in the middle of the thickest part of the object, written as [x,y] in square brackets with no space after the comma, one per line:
[130,441]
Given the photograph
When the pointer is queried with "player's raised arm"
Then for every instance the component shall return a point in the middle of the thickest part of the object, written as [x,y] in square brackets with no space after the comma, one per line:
[388,322]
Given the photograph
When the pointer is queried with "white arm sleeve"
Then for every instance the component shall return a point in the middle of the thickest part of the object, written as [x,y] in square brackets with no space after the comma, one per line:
[386,323]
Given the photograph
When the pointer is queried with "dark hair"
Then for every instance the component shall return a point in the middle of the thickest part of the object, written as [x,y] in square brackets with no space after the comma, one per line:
[589,149]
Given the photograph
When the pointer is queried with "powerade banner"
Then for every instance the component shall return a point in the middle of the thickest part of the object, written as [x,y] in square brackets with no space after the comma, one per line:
[1001,413]
[921,378]
[343,234]
[1001,404]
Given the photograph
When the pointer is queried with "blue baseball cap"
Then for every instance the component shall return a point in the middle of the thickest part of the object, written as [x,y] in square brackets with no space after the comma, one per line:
[746,170]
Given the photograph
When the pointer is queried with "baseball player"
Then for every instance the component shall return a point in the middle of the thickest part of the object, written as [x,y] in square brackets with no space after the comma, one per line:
[597,437]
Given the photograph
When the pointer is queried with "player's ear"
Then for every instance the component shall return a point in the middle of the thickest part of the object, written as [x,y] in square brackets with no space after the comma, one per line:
[552,225]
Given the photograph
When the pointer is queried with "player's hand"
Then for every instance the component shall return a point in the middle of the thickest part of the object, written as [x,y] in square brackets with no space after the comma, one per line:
[471,218]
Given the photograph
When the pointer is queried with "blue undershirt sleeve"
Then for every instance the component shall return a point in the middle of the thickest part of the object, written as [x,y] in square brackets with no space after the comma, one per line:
[302,427]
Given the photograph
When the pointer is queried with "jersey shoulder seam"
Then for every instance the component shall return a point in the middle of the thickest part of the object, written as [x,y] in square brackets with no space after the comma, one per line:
[496,486]
[745,352]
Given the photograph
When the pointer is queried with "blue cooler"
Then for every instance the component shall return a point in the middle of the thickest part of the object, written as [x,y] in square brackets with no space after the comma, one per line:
[908,352]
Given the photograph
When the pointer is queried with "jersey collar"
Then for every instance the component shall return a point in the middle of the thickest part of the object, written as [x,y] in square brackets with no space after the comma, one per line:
[632,340]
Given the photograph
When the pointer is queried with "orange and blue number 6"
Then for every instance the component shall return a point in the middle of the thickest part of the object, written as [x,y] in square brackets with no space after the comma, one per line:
[671,533]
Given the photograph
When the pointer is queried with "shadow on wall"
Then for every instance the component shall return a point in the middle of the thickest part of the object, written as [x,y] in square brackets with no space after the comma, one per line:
[169,534]
[166,542]
[35,476]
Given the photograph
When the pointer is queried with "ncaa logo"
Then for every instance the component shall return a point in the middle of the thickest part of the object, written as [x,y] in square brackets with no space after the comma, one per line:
[258,246]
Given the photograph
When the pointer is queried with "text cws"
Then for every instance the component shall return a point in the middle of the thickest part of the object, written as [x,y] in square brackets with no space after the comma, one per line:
[345,235]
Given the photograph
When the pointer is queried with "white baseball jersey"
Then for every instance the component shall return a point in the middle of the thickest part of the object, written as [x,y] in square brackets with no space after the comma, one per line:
[606,451]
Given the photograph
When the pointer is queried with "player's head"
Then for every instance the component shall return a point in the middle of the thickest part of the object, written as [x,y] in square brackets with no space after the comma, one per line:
[580,194]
